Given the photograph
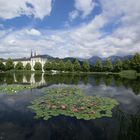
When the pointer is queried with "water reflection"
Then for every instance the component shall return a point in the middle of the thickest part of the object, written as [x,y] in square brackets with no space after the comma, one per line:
[129,125]
[17,121]
[108,79]
[19,77]
[18,125]
[95,80]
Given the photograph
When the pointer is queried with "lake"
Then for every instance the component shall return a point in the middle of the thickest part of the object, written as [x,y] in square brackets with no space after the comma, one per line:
[17,121]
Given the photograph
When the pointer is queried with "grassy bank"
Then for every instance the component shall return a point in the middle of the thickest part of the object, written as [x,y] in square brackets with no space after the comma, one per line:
[124,73]
[131,74]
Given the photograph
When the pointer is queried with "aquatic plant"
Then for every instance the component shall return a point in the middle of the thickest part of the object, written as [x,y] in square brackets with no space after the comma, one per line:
[12,89]
[71,102]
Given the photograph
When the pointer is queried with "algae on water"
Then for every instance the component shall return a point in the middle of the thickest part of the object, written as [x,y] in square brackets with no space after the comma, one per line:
[71,102]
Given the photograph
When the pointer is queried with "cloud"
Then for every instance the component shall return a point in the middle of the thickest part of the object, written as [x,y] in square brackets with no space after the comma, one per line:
[73,15]
[16,8]
[33,32]
[86,40]
[84,7]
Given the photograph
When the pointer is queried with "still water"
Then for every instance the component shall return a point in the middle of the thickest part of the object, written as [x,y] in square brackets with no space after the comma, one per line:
[17,122]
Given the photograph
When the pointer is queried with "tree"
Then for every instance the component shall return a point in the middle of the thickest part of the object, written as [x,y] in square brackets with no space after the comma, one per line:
[68,66]
[48,66]
[126,64]
[108,66]
[28,66]
[118,65]
[86,66]
[19,66]
[76,65]
[54,65]
[9,64]
[61,65]
[98,66]
[2,66]
[136,62]
[38,66]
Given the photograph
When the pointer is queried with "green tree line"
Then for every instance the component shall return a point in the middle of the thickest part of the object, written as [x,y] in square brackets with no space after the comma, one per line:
[107,66]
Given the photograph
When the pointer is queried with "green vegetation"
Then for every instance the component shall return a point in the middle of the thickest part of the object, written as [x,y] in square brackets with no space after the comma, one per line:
[60,66]
[98,66]
[108,67]
[126,64]
[2,66]
[129,124]
[19,66]
[9,64]
[130,74]
[52,65]
[77,66]
[48,66]
[12,89]
[68,66]
[86,66]
[38,66]
[19,77]
[136,62]
[71,102]
[28,66]
[118,66]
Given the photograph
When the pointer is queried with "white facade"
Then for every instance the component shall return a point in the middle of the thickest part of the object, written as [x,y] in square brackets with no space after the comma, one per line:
[23,61]
[32,60]
[37,59]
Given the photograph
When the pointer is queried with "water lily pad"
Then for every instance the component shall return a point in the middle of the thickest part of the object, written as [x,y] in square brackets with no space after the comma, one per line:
[71,102]
[12,89]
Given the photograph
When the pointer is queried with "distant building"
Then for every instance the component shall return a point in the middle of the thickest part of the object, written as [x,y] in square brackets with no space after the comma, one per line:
[32,60]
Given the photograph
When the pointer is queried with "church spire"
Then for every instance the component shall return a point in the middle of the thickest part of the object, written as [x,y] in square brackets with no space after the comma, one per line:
[31,54]
[35,53]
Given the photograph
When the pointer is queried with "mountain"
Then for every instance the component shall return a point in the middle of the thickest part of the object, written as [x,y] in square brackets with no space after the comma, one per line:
[113,59]
[127,57]
[44,56]
[72,59]
[93,59]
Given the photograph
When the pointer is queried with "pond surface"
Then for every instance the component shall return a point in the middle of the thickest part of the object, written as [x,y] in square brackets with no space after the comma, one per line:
[17,121]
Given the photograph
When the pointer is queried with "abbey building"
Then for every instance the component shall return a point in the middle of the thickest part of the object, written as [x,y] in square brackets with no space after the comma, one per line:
[32,60]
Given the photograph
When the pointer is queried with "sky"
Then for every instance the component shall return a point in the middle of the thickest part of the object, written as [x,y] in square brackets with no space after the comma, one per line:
[69,28]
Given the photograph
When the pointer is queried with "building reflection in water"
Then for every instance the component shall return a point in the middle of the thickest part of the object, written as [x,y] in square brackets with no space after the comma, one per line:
[40,79]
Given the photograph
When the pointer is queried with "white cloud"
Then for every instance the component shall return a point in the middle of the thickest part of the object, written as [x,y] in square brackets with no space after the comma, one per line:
[84,7]
[86,40]
[33,32]
[74,14]
[16,8]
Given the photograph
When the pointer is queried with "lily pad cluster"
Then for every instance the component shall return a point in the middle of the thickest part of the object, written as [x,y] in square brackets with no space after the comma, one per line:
[71,102]
[12,89]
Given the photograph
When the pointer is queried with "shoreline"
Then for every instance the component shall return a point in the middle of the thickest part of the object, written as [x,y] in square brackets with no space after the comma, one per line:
[122,73]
